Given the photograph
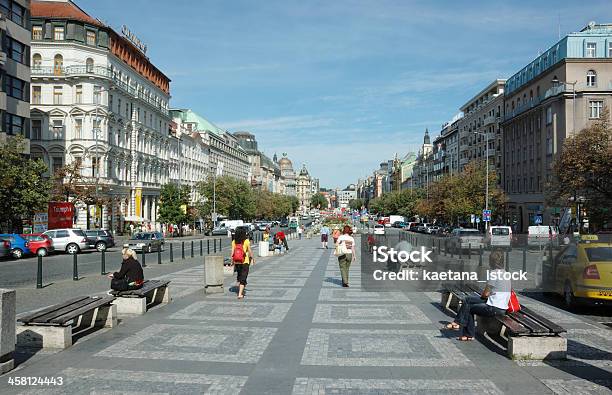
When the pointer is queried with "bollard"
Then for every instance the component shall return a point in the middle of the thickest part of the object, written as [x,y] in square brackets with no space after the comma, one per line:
[480,257]
[192,248]
[159,256]
[201,247]
[220,247]
[39,273]
[525,259]
[103,262]
[171,253]
[75,269]
[182,250]
[143,257]
[208,247]
[215,246]
[507,261]
[470,251]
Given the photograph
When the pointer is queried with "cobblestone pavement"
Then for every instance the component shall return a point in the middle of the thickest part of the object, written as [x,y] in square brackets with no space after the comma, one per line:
[298,331]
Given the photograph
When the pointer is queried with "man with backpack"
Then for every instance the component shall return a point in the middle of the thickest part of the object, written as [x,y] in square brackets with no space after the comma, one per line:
[242,257]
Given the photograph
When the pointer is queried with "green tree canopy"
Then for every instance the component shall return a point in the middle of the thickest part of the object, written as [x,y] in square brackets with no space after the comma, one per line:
[23,188]
[318,201]
[173,203]
[356,204]
[235,199]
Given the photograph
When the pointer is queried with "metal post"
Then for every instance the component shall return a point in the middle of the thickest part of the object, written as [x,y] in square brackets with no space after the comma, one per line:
[171,253]
[507,261]
[215,246]
[220,247]
[524,258]
[182,250]
[470,251]
[192,248]
[143,258]
[201,247]
[480,256]
[159,256]
[208,247]
[39,273]
[75,269]
[103,262]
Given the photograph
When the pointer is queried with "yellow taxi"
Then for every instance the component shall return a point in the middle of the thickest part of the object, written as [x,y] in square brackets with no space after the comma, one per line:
[583,271]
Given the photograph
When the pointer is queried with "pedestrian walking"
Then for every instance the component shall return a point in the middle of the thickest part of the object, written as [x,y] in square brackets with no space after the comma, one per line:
[242,258]
[336,234]
[131,229]
[266,234]
[345,251]
[324,236]
[300,230]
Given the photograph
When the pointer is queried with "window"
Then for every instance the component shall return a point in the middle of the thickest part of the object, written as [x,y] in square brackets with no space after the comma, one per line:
[97,93]
[91,37]
[57,129]
[58,64]
[37,33]
[97,127]
[591,50]
[548,115]
[78,94]
[36,61]
[16,50]
[14,124]
[118,105]
[57,162]
[57,95]
[591,78]
[58,33]
[36,129]
[89,65]
[94,166]
[110,102]
[15,87]
[595,107]
[78,128]
[610,49]
[17,14]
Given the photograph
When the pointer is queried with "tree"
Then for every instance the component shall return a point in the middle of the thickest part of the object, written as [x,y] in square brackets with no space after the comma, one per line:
[234,198]
[295,203]
[69,185]
[584,169]
[356,204]
[318,201]
[23,188]
[173,203]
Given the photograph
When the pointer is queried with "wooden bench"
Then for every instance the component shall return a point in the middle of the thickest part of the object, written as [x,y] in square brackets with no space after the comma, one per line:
[54,326]
[137,301]
[525,334]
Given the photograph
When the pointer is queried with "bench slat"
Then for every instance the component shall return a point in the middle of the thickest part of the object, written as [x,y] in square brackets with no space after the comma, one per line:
[554,328]
[147,287]
[515,328]
[532,325]
[62,319]
[30,317]
[61,309]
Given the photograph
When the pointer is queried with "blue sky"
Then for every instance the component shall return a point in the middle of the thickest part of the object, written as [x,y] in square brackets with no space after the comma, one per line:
[340,85]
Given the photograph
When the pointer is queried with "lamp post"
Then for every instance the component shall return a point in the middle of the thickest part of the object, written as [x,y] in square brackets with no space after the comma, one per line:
[486,135]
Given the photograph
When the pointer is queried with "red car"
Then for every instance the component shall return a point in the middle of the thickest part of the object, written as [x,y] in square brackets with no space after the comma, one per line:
[39,243]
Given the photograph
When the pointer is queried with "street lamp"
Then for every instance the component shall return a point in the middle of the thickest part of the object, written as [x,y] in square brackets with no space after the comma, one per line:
[486,135]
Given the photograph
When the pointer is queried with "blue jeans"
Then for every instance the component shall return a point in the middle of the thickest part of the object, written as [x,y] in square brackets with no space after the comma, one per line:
[474,305]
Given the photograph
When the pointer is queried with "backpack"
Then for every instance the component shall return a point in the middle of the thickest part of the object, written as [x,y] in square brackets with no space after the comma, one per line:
[238,254]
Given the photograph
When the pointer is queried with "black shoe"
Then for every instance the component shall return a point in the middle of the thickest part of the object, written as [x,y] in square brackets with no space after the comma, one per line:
[144,265]
[345,285]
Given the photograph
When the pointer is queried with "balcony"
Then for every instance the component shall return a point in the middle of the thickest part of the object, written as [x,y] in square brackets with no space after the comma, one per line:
[463,161]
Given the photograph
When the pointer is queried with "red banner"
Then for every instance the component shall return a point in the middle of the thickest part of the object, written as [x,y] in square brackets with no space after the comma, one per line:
[60,215]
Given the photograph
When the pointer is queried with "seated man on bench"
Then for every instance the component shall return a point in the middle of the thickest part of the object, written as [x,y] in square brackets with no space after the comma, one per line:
[493,300]
[130,276]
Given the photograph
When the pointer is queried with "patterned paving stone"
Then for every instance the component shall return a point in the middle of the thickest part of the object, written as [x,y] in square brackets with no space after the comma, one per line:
[233,311]
[392,314]
[320,386]
[281,273]
[194,343]
[579,386]
[104,381]
[355,347]
[261,293]
[269,281]
[557,316]
[340,295]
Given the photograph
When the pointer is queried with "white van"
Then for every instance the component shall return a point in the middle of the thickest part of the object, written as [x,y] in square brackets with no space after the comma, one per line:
[231,223]
[499,236]
[541,235]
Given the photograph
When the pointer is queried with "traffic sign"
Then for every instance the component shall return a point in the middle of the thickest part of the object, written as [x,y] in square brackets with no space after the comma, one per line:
[537,219]
[486,215]
[472,218]
[477,220]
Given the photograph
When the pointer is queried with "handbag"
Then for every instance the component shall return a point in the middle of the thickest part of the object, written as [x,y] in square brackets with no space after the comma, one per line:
[341,249]
[513,303]
[120,284]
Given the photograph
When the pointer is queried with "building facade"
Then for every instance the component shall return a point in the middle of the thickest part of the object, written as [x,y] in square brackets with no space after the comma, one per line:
[99,101]
[265,173]
[558,93]
[289,186]
[15,68]
[303,188]
[346,195]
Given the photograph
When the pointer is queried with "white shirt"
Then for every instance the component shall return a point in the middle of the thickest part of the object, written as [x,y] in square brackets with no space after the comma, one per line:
[349,242]
[500,290]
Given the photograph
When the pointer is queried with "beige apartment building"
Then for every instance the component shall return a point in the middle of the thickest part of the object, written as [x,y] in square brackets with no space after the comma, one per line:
[560,92]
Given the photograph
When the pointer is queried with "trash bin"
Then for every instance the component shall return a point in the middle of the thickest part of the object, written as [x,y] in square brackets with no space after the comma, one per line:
[213,270]
[264,247]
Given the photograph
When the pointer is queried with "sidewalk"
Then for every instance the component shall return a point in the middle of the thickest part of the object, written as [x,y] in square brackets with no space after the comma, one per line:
[298,331]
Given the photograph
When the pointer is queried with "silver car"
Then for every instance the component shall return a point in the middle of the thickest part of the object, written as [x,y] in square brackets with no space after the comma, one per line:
[5,247]
[146,242]
[72,241]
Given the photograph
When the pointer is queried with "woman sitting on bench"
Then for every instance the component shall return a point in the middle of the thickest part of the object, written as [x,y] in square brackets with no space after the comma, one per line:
[493,300]
[130,276]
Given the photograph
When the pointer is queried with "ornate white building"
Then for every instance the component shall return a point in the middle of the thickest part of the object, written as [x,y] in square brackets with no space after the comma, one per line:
[288,182]
[97,99]
[303,186]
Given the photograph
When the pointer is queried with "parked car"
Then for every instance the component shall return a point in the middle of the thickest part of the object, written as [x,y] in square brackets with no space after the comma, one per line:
[284,223]
[399,224]
[583,272]
[221,231]
[542,235]
[5,247]
[70,240]
[39,243]
[499,236]
[146,242]
[414,226]
[433,230]
[422,227]
[100,239]
[379,229]
[463,239]
[18,245]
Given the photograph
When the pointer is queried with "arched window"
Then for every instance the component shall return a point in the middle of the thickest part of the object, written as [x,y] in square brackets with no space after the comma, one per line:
[89,65]
[36,61]
[591,78]
[58,64]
